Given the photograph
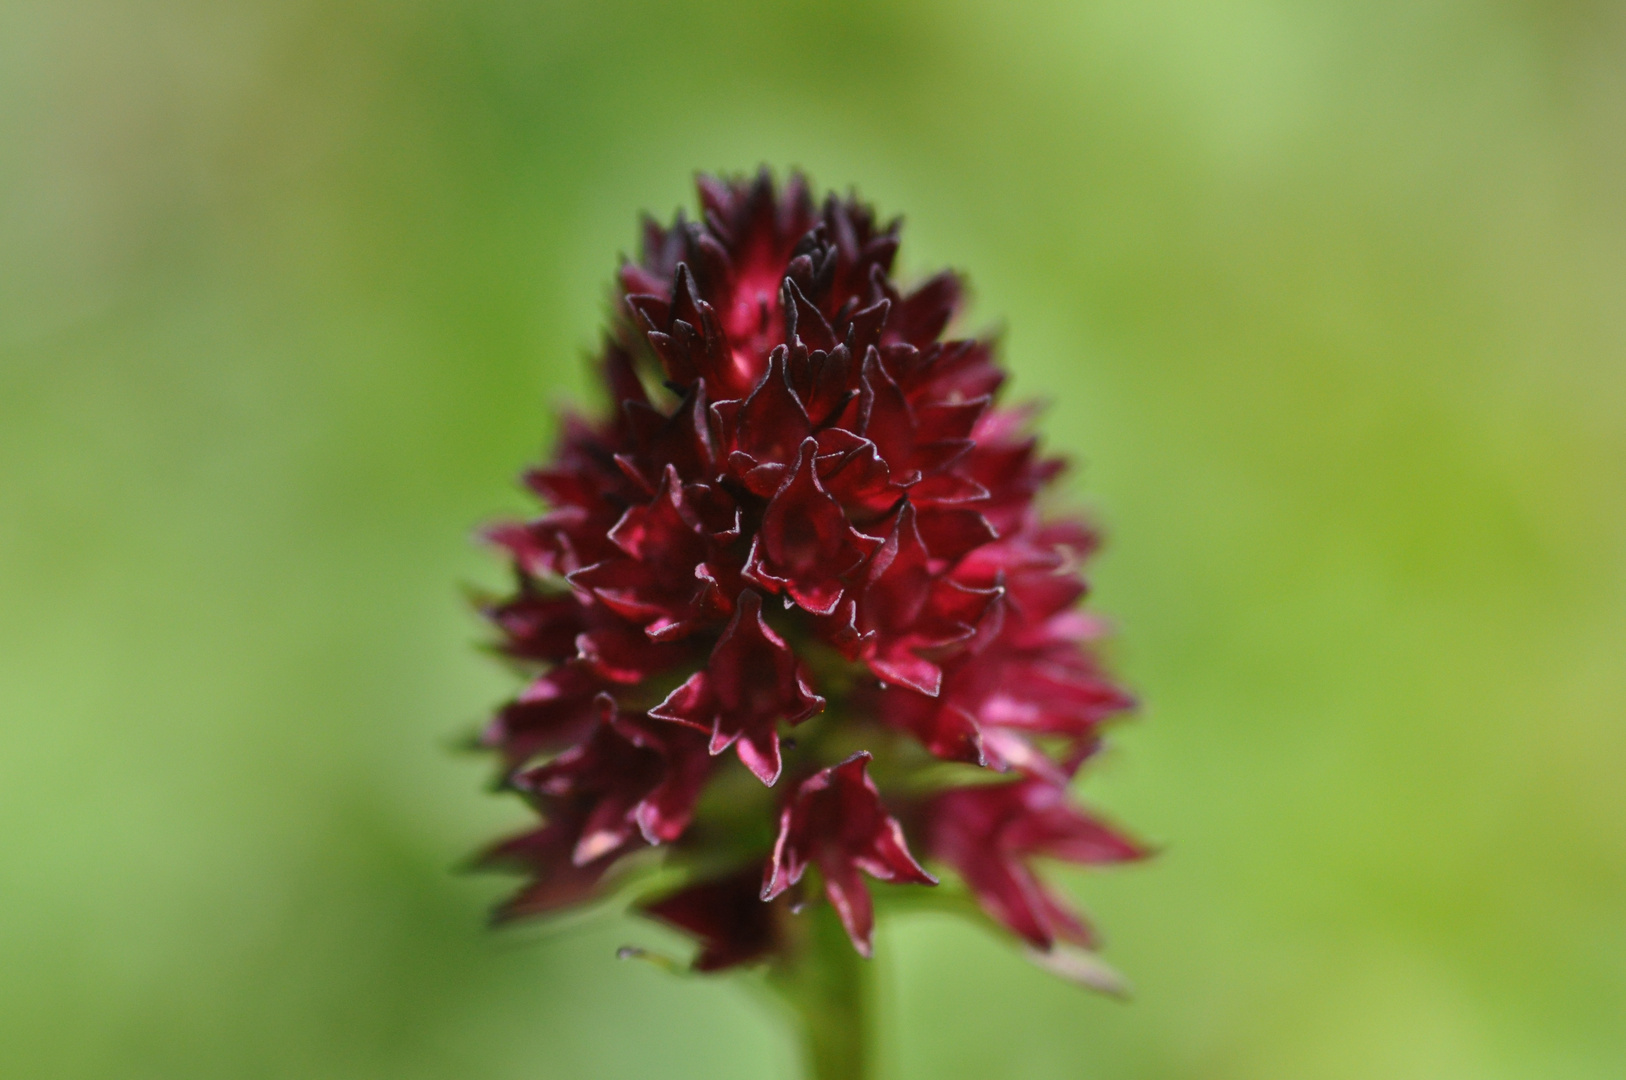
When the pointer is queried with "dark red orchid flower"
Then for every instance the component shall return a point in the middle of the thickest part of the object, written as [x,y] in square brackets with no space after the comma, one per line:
[837,821]
[727,916]
[988,832]
[804,528]
[751,682]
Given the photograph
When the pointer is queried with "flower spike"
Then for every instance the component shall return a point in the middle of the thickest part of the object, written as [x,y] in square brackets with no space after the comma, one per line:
[806,500]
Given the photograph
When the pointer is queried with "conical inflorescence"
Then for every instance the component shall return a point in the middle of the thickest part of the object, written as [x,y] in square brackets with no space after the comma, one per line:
[791,605]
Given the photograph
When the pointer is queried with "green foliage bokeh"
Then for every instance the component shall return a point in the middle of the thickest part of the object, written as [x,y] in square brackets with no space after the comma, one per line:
[1325,299]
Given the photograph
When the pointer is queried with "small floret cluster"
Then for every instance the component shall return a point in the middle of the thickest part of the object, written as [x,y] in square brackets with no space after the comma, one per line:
[792,616]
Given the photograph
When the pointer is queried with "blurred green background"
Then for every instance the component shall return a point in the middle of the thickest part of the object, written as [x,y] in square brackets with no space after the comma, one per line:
[1329,300]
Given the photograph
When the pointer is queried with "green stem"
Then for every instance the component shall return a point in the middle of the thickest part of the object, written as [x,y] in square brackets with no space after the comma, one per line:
[827,985]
